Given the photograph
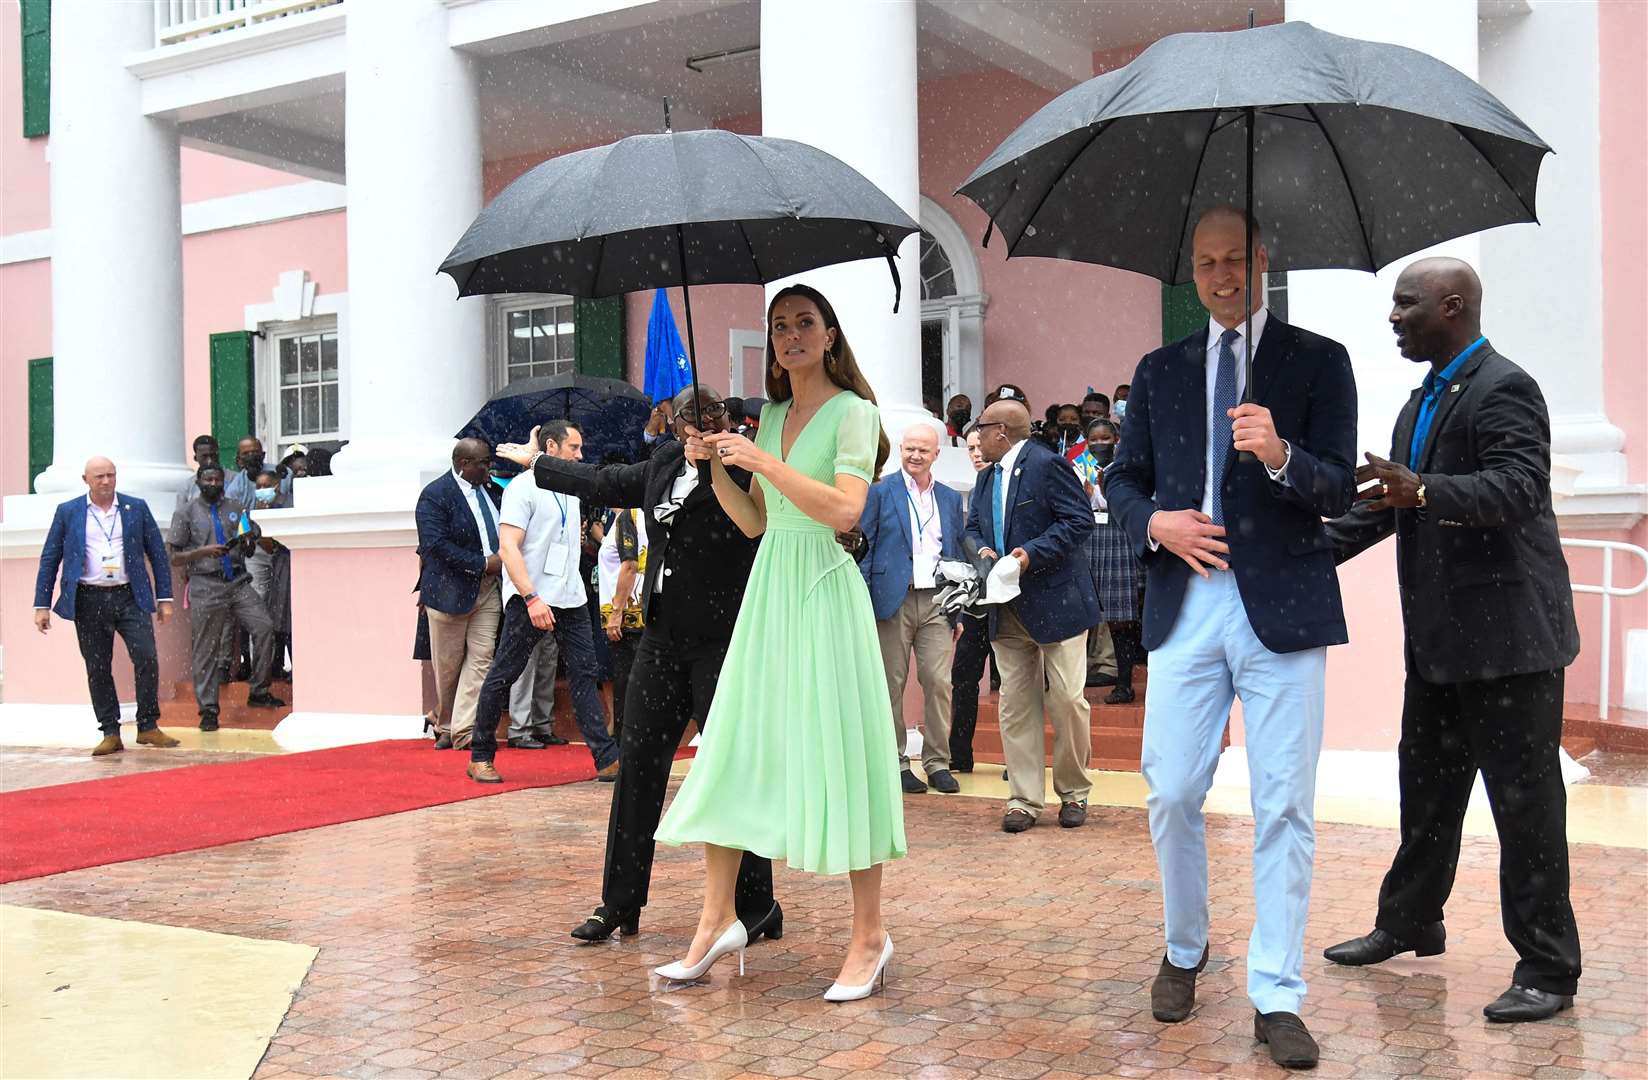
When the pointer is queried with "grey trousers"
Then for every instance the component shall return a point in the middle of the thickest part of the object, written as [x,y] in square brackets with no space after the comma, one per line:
[532,698]
[214,607]
[919,625]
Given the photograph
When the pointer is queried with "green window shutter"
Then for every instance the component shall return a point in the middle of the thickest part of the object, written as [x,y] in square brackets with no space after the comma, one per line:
[599,335]
[1182,313]
[40,417]
[36,18]
[231,388]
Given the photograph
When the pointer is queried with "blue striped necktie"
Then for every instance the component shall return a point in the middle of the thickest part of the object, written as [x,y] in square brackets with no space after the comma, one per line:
[1218,424]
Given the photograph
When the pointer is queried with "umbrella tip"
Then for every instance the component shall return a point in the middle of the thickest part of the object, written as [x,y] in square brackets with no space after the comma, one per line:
[1250,18]
[668,129]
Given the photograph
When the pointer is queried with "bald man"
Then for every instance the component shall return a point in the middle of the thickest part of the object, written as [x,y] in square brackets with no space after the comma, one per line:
[1488,619]
[910,522]
[100,540]
[1029,507]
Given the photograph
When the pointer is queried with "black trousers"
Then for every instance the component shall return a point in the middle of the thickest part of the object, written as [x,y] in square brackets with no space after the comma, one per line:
[1125,636]
[1510,729]
[966,670]
[99,614]
[672,682]
[516,643]
[623,661]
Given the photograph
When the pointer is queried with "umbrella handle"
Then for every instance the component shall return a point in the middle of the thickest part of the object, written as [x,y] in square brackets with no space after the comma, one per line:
[898,282]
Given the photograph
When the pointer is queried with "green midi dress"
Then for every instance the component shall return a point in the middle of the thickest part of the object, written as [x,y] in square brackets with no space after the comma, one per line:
[798,761]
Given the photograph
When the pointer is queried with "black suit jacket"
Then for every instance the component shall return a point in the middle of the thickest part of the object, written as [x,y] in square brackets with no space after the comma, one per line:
[450,565]
[1485,590]
[705,557]
[1282,558]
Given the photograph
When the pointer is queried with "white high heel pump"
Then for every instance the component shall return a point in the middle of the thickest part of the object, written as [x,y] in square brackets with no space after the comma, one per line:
[733,939]
[839,992]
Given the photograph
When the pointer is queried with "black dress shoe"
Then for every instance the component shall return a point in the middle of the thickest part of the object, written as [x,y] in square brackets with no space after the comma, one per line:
[961,766]
[912,783]
[771,925]
[264,701]
[1073,815]
[1523,1003]
[1122,695]
[1101,679]
[1016,821]
[527,742]
[547,736]
[1291,1044]
[1173,993]
[208,722]
[1378,946]
[942,782]
[605,922]
[443,741]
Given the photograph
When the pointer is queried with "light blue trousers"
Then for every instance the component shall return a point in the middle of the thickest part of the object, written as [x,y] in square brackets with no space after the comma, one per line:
[1210,657]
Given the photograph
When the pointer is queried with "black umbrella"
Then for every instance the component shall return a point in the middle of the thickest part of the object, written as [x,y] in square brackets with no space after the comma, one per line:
[1351,153]
[608,410]
[682,208]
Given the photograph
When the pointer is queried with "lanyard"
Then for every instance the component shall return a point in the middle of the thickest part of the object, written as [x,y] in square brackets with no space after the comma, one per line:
[921,526]
[108,533]
[560,505]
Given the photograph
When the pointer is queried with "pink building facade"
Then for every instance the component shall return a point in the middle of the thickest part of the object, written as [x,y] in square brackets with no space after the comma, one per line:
[213,196]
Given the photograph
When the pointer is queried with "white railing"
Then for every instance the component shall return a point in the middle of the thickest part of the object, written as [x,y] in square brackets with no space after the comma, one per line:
[1608,591]
[184,20]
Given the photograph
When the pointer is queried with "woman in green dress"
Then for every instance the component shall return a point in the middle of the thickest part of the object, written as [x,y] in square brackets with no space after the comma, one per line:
[798,760]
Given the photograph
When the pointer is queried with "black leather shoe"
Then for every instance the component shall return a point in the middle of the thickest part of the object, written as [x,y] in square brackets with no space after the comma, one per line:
[1073,815]
[527,742]
[961,766]
[208,721]
[265,701]
[1173,993]
[1016,821]
[1101,679]
[771,925]
[548,737]
[1523,1003]
[942,782]
[912,783]
[1291,1044]
[1378,946]
[1122,695]
[605,922]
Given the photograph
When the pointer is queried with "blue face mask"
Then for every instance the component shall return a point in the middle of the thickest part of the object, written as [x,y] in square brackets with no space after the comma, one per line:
[266,495]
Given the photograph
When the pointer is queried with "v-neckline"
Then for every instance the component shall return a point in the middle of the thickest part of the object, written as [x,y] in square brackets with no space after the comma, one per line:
[789,406]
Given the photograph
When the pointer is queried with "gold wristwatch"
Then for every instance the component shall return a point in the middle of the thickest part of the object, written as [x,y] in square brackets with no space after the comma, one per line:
[1420,494]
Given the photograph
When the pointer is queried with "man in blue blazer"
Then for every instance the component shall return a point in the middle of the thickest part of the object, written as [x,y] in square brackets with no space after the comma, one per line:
[910,522]
[458,585]
[1028,506]
[100,540]
[1241,600]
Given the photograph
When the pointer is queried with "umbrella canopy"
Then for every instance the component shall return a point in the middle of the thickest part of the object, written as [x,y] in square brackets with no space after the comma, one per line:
[681,208]
[611,412]
[1360,153]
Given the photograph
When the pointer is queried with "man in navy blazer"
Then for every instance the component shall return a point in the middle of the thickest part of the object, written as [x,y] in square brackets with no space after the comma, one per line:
[458,585]
[100,540]
[910,522]
[1029,506]
[1241,600]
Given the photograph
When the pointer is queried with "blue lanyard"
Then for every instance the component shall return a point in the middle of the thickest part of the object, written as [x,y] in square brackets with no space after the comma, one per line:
[108,533]
[921,526]
[561,506]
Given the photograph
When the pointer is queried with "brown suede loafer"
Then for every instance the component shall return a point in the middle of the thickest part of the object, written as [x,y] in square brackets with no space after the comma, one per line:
[155,737]
[609,774]
[111,744]
[1291,1044]
[1173,993]
[482,772]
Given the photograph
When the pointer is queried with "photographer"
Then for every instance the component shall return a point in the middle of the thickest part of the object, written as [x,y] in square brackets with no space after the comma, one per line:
[211,536]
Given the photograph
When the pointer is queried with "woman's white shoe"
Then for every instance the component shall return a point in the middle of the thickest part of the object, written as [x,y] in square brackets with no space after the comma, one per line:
[733,939]
[839,992]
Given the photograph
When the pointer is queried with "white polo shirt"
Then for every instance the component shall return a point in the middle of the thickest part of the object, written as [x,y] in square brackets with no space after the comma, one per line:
[551,522]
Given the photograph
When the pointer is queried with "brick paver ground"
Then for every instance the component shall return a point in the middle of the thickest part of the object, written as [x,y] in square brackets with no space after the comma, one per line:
[443,952]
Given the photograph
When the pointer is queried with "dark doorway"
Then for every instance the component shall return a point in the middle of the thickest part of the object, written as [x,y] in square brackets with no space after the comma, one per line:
[932,367]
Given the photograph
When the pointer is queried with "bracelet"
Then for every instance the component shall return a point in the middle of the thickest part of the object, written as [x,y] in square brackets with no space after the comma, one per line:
[533,463]
[528,598]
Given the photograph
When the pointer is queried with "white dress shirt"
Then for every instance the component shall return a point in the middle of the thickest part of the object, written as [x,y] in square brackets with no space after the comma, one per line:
[105,563]
[926,535]
[686,482]
[470,493]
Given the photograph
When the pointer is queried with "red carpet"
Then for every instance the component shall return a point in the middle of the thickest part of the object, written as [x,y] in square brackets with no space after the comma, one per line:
[70,826]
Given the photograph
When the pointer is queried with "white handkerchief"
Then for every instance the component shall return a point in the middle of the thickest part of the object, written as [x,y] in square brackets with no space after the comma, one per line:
[1003,583]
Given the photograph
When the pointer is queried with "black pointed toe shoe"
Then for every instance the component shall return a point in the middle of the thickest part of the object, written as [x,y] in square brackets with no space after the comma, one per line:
[605,922]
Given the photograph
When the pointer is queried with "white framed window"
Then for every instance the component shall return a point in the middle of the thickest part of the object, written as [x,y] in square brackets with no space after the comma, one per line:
[306,391]
[532,336]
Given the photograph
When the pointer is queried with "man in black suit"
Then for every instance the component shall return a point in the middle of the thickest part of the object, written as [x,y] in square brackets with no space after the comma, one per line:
[698,563]
[1488,615]
[1241,601]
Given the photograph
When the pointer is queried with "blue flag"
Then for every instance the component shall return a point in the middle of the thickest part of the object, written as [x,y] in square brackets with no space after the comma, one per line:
[667,371]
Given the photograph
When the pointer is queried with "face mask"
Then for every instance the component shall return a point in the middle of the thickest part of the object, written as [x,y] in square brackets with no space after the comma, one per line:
[1102,453]
[266,495]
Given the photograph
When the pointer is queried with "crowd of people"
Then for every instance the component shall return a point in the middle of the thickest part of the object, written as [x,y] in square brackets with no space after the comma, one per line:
[769,580]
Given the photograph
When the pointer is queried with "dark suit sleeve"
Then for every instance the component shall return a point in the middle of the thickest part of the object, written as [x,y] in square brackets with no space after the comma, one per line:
[155,545]
[1130,480]
[1072,515]
[974,528]
[435,539]
[51,558]
[1361,527]
[597,485]
[869,524]
[1321,471]
[1513,450]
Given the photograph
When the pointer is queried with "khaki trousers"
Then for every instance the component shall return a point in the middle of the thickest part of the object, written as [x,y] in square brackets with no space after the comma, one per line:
[918,624]
[460,646]
[1025,665]
[1101,651]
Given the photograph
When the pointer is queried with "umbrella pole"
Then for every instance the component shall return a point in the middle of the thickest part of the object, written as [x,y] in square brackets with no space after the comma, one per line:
[704,475]
[1247,289]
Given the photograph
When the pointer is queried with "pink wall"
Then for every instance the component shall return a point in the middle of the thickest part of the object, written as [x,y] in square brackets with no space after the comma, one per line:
[25,292]
[205,175]
[375,617]
[26,205]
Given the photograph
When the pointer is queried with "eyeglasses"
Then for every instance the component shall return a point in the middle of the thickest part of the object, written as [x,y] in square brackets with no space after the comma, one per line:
[712,410]
[979,427]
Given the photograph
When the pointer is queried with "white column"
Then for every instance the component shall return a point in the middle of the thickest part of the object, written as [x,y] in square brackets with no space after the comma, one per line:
[859,104]
[117,260]
[1351,306]
[414,356]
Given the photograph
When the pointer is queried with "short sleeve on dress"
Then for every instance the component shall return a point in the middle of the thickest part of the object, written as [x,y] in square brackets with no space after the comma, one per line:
[856,439]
